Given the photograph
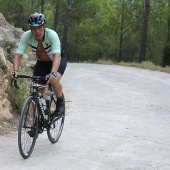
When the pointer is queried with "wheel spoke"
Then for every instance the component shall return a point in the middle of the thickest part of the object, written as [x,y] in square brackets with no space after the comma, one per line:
[57,124]
[27,129]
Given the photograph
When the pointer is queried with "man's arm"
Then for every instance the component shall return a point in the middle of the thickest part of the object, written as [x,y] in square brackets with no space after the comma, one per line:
[56,62]
[16,61]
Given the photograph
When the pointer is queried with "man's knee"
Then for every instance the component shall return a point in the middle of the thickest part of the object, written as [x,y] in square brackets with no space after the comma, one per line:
[59,75]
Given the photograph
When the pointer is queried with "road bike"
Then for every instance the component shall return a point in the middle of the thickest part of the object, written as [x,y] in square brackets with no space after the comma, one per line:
[37,116]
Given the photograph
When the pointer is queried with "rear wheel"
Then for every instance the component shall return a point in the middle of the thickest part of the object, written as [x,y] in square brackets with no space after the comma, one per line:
[55,130]
[27,129]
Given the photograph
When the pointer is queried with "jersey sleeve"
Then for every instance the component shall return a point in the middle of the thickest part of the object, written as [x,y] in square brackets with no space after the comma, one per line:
[23,43]
[55,43]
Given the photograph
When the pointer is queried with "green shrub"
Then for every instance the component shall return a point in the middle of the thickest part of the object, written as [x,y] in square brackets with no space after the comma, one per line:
[166,56]
[17,96]
[144,65]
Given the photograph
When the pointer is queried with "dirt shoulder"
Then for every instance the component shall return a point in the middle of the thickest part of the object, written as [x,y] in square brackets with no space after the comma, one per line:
[7,127]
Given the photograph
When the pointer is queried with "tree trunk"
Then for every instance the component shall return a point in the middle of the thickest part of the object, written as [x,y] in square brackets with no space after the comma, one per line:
[56,13]
[32,6]
[21,18]
[66,24]
[144,32]
[168,36]
[121,33]
[76,58]
[42,6]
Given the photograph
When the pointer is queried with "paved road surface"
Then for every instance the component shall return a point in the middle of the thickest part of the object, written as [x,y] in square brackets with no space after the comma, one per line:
[118,118]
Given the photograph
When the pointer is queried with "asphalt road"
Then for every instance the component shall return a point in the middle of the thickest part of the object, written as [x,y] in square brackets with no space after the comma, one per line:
[118,118]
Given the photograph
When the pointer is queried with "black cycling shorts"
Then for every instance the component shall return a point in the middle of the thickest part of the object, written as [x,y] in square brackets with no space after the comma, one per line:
[42,68]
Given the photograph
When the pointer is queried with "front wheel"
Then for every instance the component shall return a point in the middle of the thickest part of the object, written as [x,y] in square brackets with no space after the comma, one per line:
[55,130]
[27,129]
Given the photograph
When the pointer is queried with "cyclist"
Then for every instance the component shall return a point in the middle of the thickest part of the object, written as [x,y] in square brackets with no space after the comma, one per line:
[46,47]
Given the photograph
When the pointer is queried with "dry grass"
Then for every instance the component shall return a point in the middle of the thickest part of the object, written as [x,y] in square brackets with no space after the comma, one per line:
[144,65]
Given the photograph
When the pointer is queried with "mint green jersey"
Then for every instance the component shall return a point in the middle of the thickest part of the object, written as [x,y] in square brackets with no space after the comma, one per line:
[51,43]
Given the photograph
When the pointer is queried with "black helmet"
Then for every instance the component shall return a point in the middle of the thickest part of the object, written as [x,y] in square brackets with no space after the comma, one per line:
[36,19]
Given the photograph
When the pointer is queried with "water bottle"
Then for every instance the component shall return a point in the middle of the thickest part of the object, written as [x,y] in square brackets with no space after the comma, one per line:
[55,98]
[43,101]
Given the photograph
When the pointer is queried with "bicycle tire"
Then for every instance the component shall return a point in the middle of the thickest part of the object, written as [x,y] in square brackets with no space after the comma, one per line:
[56,128]
[28,128]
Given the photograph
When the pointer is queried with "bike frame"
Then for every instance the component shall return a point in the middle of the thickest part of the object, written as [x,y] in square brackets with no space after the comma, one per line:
[41,118]
[35,94]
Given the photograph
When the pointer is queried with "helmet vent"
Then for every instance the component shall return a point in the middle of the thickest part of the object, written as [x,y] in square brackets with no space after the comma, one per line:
[36,19]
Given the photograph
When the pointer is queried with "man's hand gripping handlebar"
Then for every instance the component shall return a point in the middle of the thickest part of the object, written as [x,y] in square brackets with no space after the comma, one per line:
[14,75]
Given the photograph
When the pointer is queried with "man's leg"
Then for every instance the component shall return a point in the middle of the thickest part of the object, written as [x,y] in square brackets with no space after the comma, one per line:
[57,87]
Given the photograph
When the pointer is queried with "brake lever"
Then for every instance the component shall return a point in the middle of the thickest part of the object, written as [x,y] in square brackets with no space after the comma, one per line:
[15,82]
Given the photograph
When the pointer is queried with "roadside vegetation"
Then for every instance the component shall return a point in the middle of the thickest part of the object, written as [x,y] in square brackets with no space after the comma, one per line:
[145,65]
[17,96]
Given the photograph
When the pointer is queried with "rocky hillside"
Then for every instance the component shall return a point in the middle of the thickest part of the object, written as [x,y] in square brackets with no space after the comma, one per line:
[9,37]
